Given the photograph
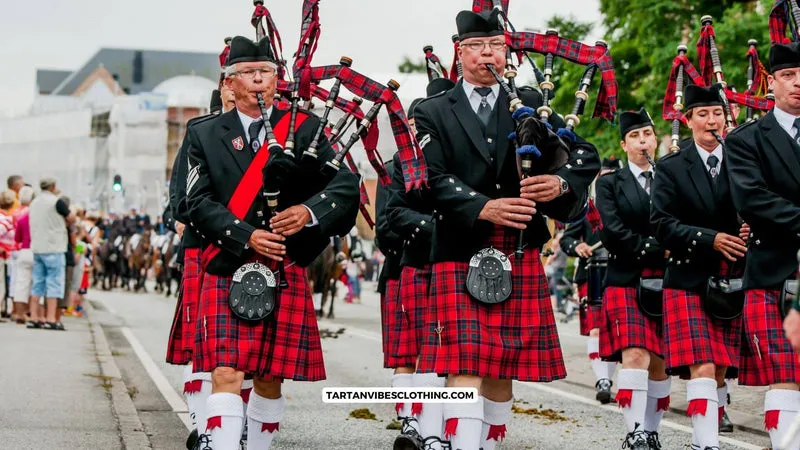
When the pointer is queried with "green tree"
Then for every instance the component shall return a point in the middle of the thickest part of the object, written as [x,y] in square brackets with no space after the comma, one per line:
[409,66]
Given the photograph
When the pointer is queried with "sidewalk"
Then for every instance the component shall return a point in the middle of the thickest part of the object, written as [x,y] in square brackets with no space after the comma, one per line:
[53,392]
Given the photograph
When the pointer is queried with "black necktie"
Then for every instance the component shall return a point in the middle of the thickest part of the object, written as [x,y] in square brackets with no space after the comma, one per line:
[254,130]
[797,129]
[484,109]
[648,180]
[712,163]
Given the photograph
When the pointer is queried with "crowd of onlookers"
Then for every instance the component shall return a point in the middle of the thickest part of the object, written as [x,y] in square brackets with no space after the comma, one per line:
[45,252]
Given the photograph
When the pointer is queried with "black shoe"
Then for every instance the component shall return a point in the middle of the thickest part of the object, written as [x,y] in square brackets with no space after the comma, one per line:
[711,448]
[636,440]
[653,441]
[725,424]
[427,444]
[191,441]
[34,325]
[409,438]
[603,387]
[203,442]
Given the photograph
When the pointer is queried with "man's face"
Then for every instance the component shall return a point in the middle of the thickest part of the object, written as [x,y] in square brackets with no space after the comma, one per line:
[19,184]
[228,98]
[476,53]
[705,119]
[639,141]
[251,78]
[785,84]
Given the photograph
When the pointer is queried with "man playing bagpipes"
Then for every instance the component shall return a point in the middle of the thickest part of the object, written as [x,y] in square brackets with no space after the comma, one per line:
[631,333]
[582,240]
[765,182]
[477,283]
[256,315]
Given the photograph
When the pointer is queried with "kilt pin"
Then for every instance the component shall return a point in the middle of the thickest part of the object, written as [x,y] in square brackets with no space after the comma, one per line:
[767,356]
[286,345]
[390,313]
[589,316]
[410,316]
[516,339]
[182,334]
[624,326]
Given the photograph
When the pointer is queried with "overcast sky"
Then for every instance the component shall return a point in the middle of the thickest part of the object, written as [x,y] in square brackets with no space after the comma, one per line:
[64,34]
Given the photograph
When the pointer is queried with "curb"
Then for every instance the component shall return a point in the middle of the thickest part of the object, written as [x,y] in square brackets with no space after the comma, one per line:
[748,423]
[131,430]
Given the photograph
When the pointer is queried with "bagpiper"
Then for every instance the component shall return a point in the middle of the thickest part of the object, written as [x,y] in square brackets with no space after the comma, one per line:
[475,186]
[630,333]
[256,314]
[765,182]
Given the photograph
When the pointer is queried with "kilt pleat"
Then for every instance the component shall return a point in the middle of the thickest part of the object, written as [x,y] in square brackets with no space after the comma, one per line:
[390,313]
[515,339]
[182,334]
[767,356]
[692,337]
[624,326]
[286,345]
[589,316]
[413,298]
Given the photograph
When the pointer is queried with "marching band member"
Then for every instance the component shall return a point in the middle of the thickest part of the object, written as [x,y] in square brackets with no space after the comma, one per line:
[628,335]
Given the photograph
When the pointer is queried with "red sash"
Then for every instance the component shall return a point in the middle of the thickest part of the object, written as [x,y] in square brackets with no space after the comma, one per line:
[253,180]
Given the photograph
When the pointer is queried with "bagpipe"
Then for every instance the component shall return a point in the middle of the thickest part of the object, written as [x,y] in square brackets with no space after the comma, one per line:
[301,82]
[755,98]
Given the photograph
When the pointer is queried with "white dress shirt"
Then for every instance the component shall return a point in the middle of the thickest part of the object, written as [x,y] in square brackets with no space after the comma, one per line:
[705,154]
[637,174]
[786,121]
[475,98]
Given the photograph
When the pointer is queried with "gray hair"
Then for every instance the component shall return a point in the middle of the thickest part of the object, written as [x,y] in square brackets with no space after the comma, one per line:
[26,195]
[7,199]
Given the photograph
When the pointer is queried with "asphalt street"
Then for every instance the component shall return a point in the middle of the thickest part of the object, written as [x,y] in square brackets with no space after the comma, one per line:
[560,415]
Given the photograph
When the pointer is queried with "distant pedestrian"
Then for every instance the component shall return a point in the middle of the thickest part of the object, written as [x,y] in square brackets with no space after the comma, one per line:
[7,245]
[23,259]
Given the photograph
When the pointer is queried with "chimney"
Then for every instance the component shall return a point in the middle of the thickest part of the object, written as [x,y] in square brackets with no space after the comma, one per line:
[138,67]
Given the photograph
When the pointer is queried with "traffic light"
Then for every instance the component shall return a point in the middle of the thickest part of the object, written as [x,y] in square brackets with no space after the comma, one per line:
[117,186]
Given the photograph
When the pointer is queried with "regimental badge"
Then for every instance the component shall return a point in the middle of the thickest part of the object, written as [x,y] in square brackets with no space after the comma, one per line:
[238,143]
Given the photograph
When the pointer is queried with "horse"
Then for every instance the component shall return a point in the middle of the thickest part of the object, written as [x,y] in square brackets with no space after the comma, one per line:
[139,259]
[164,263]
[109,262]
[325,270]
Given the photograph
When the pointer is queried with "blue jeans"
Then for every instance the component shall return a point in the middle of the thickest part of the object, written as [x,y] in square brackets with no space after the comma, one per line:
[49,272]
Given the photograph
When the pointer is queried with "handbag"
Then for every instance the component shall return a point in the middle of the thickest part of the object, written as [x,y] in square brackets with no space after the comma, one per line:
[649,298]
[788,294]
[253,292]
[724,297]
[489,276]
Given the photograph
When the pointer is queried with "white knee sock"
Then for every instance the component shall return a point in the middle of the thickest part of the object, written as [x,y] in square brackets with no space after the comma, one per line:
[225,420]
[197,389]
[632,396]
[611,367]
[702,396]
[190,388]
[463,424]
[263,420]
[402,380]
[657,403]
[495,419]
[781,406]
[722,400]
[430,419]
[247,389]
[598,365]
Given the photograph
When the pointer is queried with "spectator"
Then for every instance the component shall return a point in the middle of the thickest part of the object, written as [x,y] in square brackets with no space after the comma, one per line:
[15,183]
[7,244]
[49,240]
[23,261]
[555,267]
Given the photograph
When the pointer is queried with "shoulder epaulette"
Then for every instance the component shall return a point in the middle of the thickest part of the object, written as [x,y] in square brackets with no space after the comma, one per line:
[743,126]
[201,119]
[668,156]
[437,95]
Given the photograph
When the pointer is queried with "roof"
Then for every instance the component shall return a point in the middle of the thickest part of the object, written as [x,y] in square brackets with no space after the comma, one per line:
[156,66]
[48,79]
[187,91]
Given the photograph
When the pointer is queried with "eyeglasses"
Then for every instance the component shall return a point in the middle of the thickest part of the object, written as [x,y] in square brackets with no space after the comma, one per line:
[479,46]
[249,74]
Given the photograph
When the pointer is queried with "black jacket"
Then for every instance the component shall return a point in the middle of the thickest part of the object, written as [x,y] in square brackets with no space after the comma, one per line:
[220,167]
[388,241]
[411,218]
[575,234]
[627,234]
[467,168]
[764,169]
[687,213]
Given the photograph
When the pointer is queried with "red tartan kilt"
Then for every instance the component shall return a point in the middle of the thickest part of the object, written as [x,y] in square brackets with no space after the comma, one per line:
[624,326]
[515,339]
[286,345]
[390,305]
[773,360]
[692,337]
[183,332]
[413,298]
[589,315]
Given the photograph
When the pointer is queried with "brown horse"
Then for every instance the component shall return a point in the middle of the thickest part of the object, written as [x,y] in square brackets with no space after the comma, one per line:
[325,270]
[139,260]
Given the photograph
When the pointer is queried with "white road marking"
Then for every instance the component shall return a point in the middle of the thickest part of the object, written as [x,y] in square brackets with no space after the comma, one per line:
[354,331]
[167,391]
